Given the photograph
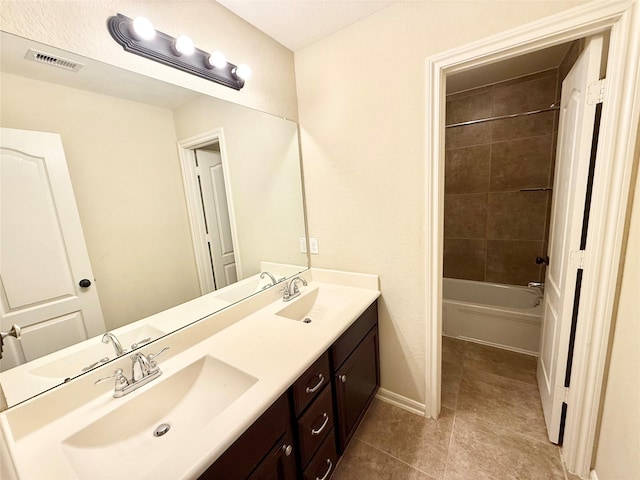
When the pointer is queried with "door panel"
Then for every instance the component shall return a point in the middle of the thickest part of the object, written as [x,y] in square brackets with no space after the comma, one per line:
[570,183]
[43,255]
[216,211]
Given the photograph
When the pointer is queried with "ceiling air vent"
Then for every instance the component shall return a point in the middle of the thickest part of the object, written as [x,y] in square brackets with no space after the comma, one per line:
[53,60]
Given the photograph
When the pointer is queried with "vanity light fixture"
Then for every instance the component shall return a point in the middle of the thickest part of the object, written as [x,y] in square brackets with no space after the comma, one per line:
[140,37]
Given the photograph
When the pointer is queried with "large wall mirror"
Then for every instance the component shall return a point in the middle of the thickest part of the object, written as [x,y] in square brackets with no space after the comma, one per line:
[180,196]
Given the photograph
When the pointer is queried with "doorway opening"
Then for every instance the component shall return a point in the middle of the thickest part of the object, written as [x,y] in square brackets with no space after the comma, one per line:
[209,202]
[609,203]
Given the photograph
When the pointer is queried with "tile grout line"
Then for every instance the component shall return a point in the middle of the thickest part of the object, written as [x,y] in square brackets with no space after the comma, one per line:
[413,467]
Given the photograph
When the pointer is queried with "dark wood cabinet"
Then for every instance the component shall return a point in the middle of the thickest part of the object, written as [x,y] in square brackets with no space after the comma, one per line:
[261,450]
[356,376]
[305,431]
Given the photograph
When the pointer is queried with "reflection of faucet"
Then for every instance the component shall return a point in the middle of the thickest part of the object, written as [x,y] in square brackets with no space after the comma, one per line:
[116,343]
[273,279]
[291,290]
[143,370]
[14,332]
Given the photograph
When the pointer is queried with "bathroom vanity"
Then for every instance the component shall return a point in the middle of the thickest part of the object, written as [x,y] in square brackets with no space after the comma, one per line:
[262,389]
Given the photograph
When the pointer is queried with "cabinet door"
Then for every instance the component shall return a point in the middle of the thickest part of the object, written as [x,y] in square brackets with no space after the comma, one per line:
[280,464]
[356,383]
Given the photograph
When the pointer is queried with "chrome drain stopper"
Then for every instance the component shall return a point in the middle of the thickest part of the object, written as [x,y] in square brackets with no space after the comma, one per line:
[307,320]
[161,430]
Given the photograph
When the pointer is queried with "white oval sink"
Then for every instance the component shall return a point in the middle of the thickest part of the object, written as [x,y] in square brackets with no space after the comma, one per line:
[187,401]
[316,304]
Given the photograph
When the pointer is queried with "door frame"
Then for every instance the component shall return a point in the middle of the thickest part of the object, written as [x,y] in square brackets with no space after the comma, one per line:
[618,132]
[186,151]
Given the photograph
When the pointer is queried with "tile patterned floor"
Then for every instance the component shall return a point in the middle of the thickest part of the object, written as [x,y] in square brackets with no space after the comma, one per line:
[491,426]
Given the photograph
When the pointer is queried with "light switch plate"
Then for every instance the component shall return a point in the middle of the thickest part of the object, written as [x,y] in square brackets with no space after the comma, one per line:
[303,245]
[313,246]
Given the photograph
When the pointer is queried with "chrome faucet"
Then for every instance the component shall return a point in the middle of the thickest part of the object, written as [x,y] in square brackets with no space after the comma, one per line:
[273,279]
[14,332]
[143,370]
[116,343]
[536,285]
[291,290]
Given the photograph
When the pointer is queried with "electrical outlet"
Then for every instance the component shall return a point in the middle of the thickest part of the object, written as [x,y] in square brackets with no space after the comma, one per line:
[313,246]
[303,245]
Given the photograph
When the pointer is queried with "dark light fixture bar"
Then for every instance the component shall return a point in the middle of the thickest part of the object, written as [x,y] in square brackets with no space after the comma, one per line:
[167,50]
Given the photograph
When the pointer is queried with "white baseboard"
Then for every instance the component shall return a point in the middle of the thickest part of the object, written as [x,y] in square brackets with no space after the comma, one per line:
[593,475]
[400,401]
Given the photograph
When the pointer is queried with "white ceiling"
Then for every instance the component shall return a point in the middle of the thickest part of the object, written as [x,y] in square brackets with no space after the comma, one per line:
[298,23]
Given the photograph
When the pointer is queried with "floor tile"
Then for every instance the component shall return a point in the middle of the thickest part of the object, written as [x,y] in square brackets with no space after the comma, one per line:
[418,441]
[450,387]
[508,404]
[453,350]
[362,461]
[501,362]
[481,450]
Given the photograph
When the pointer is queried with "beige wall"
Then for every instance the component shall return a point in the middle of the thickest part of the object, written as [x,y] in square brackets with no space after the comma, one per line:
[80,26]
[264,176]
[127,182]
[361,103]
[618,446]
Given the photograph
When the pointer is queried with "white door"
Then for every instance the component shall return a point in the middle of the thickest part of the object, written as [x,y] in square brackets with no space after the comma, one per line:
[43,256]
[216,213]
[577,116]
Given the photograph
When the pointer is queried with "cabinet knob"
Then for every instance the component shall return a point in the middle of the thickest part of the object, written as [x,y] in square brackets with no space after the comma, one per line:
[287,449]
[343,378]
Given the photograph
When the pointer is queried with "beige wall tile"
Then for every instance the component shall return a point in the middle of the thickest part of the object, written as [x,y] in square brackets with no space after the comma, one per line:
[522,163]
[467,169]
[465,258]
[516,215]
[512,262]
[465,216]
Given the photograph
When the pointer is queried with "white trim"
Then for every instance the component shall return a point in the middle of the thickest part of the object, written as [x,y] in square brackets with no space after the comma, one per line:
[617,138]
[593,475]
[400,401]
[186,150]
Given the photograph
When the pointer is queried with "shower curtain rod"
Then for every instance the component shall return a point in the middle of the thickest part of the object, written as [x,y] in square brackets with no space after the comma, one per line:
[501,117]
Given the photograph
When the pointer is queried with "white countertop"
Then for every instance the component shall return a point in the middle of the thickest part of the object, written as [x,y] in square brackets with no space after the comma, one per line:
[249,336]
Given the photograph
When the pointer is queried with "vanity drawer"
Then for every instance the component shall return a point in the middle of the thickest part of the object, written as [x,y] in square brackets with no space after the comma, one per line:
[315,424]
[350,339]
[310,383]
[324,463]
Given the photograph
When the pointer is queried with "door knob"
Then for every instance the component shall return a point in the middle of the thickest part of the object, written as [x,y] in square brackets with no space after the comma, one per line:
[541,260]
[85,283]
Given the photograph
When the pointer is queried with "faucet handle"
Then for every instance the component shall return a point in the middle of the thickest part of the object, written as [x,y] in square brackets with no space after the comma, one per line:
[121,380]
[156,355]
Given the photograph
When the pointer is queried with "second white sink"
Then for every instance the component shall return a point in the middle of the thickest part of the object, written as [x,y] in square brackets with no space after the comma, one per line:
[316,304]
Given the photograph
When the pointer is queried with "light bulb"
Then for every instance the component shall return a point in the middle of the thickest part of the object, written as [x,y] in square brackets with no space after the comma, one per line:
[184,45]
[243,71]
[143,29]
[217,60]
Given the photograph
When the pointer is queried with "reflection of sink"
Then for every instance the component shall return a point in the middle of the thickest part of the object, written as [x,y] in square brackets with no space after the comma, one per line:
[316,304]
[72,364]
[187,400]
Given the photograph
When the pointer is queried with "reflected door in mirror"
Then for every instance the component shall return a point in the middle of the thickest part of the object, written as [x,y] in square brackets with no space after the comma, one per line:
[44,257]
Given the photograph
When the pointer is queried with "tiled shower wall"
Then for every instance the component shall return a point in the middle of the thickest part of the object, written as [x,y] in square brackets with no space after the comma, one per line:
[493,231]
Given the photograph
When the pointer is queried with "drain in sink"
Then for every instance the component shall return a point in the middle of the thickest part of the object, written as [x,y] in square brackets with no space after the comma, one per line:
[307,320]
[161,430]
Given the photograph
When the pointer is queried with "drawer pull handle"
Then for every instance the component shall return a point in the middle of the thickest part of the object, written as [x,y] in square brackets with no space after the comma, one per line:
[314,389]
[343,378]
[287,449]
[330,465]
[324,424]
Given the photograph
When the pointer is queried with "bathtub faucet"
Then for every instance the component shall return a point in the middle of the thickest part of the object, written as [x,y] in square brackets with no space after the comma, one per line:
[536,285]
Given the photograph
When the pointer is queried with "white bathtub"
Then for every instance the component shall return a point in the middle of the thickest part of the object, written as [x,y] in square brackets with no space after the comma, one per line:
[504,316]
